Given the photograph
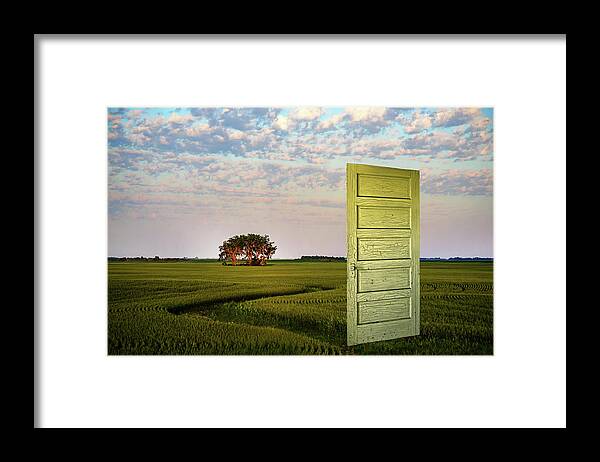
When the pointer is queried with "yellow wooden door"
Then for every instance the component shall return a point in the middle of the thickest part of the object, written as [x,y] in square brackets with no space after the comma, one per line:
[383,253]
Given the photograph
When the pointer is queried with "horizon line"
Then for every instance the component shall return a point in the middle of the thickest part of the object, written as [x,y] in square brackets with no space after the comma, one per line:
[289,258]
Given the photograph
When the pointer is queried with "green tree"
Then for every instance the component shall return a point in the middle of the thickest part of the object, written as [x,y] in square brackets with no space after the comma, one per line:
[255,249]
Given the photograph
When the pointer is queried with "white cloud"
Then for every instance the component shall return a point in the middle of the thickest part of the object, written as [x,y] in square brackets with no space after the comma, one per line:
[366,114]
[417,123]
[134,113]
[235,134]
[332,122]
[455,116]
[282,123]
[305,113]
[458,182]
[480,123]
[197,130]
[176,118]
[138,138]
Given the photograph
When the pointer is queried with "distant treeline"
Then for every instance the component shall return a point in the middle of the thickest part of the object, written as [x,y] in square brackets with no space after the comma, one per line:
[321,258]
[458,259]
[158,259]
[303,258]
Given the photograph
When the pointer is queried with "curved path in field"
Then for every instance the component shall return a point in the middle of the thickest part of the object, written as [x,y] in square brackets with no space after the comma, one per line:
[318,317]
[200,308]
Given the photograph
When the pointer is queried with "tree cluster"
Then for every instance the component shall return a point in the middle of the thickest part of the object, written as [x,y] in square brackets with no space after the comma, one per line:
[249,249]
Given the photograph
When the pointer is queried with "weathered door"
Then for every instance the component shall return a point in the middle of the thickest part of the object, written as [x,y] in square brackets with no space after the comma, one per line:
[383,253]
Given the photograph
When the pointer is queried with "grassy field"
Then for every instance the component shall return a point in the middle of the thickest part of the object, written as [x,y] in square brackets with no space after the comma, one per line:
[284,308]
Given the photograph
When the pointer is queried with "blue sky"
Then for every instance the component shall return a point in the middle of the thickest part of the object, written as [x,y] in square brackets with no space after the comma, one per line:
[182,180]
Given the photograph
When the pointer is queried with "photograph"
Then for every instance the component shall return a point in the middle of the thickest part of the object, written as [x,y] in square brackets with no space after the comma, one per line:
[300,230]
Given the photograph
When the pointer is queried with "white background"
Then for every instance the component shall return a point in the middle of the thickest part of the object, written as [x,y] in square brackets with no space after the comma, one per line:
[523,384]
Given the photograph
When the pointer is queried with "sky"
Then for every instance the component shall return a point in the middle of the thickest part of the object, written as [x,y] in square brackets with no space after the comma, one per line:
[183,180]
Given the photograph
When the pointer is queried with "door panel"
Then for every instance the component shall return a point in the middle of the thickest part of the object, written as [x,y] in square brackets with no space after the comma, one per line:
[383,295]
[383,253]
[383,310]
[383,186]
[383,279]
[383,217]
[383,248]
[389,330]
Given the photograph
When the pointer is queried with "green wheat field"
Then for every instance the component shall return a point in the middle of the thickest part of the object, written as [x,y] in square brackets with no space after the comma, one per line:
[284,308]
